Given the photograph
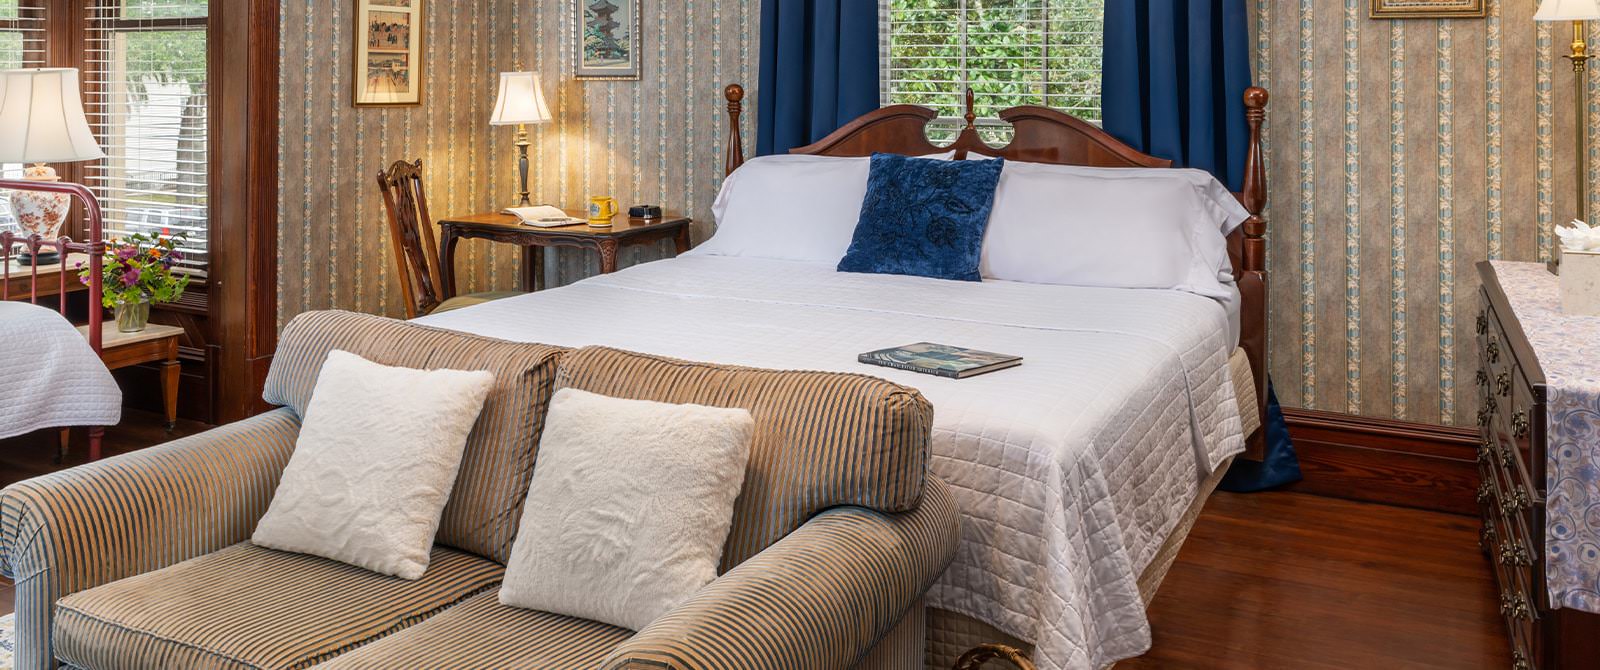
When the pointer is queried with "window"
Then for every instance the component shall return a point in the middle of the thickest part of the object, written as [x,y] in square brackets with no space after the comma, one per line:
[1009,52]
[21,45]
[146,96]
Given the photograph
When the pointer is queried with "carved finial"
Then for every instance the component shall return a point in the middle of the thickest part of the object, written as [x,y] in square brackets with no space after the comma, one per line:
[972,110]
[735,96]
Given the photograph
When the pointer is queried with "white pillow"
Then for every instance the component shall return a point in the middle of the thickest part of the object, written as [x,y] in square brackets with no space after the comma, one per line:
[630,505]
[377,456]
[1120,228]
[797,208]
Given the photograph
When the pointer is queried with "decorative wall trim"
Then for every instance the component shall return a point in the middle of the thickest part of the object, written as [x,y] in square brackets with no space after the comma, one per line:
[1386,461]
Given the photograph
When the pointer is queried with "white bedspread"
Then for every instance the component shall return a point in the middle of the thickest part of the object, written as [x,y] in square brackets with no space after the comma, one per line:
[49,377]
[1070,470]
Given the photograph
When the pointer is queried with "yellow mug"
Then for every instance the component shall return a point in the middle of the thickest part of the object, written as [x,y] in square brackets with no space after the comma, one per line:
[601,210]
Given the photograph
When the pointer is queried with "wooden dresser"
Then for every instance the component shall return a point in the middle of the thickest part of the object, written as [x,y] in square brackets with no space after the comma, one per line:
[1512,460]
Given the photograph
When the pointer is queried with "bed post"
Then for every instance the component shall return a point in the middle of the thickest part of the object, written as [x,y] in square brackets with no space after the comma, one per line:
[1253,282]
[735,95]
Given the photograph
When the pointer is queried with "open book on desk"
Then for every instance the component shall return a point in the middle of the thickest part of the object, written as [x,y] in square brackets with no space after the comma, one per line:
[542,216]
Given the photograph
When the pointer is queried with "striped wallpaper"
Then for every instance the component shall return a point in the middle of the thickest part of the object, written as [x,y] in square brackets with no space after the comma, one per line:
[658,140]
[1401,154]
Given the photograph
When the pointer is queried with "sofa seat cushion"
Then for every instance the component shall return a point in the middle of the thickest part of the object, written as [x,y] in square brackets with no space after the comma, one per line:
[247,607]
[482,633]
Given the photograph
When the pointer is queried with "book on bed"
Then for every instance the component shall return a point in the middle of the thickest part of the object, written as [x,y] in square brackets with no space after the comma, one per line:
[940,359]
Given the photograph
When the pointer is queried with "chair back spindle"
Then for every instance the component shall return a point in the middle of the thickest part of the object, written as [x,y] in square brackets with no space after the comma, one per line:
[411,229]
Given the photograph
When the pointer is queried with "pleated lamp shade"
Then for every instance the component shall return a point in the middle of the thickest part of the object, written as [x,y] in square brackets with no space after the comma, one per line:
[41,118]
[1568,10]
[521,100]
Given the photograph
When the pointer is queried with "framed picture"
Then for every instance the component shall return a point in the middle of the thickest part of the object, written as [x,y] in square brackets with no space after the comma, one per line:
[388,53]
[608,39]
[1429,9]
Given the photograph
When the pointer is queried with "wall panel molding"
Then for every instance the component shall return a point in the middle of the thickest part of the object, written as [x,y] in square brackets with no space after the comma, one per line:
[1385,461]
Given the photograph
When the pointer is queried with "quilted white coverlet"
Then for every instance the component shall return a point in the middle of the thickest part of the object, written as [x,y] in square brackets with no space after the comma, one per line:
[1071,470]
[49,377]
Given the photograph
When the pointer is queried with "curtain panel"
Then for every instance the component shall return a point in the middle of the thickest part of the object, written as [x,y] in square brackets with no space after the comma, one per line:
[819,69]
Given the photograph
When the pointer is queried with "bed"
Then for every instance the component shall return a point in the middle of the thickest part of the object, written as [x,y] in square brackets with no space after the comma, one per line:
[1078,473]
[51,375]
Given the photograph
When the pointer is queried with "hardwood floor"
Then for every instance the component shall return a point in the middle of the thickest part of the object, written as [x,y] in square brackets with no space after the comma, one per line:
[1291,580]
[1272,580]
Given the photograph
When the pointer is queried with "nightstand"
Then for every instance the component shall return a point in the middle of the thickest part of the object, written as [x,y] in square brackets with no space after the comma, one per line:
[504,228]
[155,344]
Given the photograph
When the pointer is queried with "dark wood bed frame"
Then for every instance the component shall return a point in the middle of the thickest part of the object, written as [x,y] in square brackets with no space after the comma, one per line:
[1044,135]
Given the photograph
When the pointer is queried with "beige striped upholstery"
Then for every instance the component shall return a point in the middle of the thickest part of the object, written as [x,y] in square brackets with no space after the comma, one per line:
[249,607]
[820,598]
[822,439]
[91,525]
[483,511]
[482,633]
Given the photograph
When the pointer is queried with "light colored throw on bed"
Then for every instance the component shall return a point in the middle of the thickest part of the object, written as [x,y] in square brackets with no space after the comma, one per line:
[49,376]
[1070,470]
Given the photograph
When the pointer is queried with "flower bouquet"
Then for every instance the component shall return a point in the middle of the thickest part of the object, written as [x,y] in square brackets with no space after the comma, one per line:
[137,272]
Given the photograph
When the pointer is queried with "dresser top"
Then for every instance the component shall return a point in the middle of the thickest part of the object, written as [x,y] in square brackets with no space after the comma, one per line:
[1565,348]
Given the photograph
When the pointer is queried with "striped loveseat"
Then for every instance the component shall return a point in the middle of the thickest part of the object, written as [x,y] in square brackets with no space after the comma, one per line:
[143,560]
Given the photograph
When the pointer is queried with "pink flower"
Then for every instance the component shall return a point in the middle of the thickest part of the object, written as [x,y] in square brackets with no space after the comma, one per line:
[131,277]
[127,253]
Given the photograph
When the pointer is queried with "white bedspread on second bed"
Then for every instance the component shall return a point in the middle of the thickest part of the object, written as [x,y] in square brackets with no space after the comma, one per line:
[1070,470]
[49,377]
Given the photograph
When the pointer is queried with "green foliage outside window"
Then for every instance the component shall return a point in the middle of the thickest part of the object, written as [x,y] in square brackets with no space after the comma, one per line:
[1010,52]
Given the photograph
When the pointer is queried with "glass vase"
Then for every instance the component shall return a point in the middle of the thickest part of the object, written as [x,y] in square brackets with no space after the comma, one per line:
[132,317]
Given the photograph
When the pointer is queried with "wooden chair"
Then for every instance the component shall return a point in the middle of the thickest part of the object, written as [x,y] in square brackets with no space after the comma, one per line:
[415,250]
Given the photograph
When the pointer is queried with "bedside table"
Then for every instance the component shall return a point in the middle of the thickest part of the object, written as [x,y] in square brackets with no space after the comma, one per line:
[155,344]
[506,229]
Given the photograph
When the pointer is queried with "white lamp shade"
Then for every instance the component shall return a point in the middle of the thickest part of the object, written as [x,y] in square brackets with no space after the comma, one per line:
[521,100]
[41,118]
[1568,10]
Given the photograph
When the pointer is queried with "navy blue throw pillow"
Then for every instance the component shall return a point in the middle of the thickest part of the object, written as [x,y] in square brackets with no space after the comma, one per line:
[923,217]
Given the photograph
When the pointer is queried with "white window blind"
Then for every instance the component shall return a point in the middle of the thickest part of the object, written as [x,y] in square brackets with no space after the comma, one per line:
[145,91]
[1009,52]
[22,44]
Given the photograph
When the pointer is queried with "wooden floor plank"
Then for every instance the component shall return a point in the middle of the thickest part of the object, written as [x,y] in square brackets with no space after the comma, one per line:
[1273,580]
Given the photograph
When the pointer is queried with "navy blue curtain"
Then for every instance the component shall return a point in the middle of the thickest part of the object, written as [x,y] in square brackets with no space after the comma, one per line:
[1173,86]
[1174,79]
[819,69]
[1279,467]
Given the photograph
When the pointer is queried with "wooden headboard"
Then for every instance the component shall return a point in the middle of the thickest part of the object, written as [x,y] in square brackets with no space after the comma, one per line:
[1045,135]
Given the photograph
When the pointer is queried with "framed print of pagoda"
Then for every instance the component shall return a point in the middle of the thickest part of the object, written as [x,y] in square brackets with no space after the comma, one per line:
[608,42]
[388,53]
[1429,9]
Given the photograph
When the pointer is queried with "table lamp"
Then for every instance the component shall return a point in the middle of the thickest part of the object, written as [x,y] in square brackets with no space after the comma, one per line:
[1576,11]
[521,103]
[41,121]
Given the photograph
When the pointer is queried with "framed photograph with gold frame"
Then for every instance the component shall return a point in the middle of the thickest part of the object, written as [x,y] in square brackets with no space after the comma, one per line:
[608,40]
[1429,9]
[388,53]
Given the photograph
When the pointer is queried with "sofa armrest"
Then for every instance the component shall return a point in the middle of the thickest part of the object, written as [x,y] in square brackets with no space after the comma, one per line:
[77,529]
[819,598]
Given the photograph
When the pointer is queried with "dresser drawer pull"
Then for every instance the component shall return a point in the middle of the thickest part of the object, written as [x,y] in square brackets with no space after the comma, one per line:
[1519,661]
[1502,385]
[1514,606]
[1519,425]
[1519,500]
[1483,324]
[1490,404]
[1482,378]
[1483,417]
[1486,453]
[1485,493]
[1515,554]
[1494,351]
[1486,537]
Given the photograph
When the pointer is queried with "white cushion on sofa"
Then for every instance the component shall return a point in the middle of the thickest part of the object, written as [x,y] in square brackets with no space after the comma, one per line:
[377,456]
[629,508]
